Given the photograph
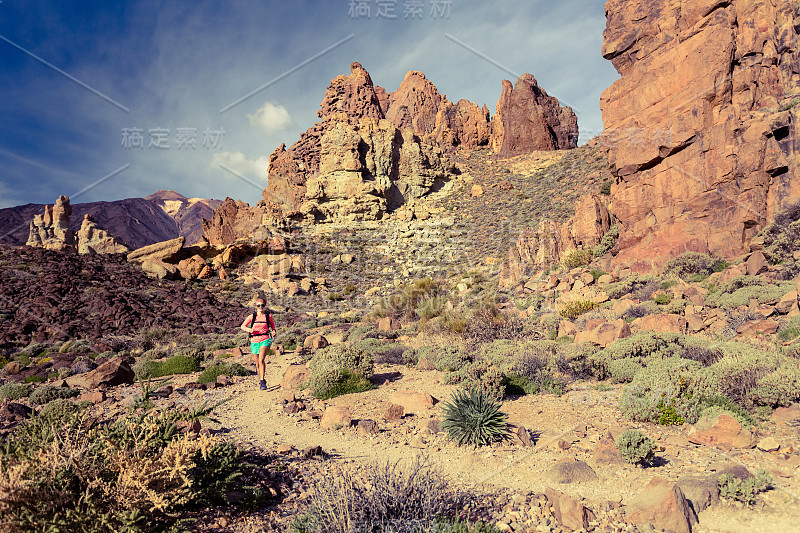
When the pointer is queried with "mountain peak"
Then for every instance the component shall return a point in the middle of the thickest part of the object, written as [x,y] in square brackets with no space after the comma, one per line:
[165,195]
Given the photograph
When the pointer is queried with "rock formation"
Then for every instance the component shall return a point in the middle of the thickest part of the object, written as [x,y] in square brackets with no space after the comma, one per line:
[51,231]
[354,164]
[138,222]
[91,238]
[527,119]
[232,220]
[543,247]
[372,152]
[701,127]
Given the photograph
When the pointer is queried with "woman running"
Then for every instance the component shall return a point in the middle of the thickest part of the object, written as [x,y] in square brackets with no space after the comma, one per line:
[261,328]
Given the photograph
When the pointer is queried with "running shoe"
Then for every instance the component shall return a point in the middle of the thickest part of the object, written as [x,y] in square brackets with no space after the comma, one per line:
[263,385]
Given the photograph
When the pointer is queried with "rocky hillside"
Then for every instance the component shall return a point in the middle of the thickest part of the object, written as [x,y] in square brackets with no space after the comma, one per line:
[50,295]
[135,221]
[702,125]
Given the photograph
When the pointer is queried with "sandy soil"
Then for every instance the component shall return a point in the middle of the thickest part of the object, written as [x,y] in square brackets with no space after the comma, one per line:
[575,421]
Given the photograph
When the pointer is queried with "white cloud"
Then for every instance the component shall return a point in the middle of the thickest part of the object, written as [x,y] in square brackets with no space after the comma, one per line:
[271,118]
[236,165]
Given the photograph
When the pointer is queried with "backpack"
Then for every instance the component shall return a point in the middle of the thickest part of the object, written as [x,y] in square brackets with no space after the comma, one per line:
[253,323]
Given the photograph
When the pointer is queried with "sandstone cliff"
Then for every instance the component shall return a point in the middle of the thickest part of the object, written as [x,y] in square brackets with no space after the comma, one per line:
[701,127]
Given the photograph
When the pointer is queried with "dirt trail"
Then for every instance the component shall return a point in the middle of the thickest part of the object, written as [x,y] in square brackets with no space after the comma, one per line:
[575,421]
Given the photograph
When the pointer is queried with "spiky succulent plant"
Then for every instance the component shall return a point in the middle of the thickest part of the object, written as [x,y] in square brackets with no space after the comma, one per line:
[472,418]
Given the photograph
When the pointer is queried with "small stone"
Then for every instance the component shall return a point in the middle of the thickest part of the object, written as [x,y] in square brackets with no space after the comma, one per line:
[768,444]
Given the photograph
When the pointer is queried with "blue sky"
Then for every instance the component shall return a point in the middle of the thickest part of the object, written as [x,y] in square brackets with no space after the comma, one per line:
[167,73]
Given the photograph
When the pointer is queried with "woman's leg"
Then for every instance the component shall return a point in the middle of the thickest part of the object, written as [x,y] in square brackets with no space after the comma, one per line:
[261,365]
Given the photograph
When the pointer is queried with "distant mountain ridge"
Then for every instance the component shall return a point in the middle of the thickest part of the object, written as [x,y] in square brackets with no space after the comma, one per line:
[138,222]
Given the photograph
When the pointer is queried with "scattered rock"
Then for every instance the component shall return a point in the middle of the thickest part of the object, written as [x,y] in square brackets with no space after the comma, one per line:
[335,417]
[569,511]
[768,444]
[294,376]
[315,342]
[414,401]
[701,491]
[366,428]
[722,431]
[394,412]
[604,333]
[113,372]
[388,323]
[571,471]
[606,452]
[663,504]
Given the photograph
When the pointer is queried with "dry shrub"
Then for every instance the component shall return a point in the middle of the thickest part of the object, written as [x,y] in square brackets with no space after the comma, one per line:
[411,495]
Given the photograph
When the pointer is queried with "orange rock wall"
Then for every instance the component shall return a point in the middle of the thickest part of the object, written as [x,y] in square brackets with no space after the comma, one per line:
[699,135]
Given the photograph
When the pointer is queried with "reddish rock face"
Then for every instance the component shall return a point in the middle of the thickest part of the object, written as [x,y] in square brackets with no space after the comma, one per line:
[527,119]
[698,128]
[232,220]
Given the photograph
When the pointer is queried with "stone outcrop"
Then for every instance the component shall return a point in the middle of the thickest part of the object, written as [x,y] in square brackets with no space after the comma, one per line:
[91,238]
[417,105]
[543,247]
[160,251]
[355,164]
[51,231]
[232,220]
[701,127]
[527,119]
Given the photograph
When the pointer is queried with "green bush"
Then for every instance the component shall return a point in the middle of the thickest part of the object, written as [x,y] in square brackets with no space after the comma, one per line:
[662,299]
[177,364]
[447,358]
[636,447]
[338,370]
[662,391]
[210,374]
[471,418]
[689,263]
[14,391]
[782,236]
[345,382]
[576,257]
[744,490]
[790,330]
[576,308]
[637,285]
[406,302]
[607,242]
[481,376]
[605,188]
[138,474]
[47,393]
[741,289]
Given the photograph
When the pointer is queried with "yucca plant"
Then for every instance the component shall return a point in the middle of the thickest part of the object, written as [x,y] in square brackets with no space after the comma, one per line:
[472,418]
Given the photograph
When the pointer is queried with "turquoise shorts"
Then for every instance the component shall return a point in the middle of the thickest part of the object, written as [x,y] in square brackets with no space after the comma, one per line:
[255,347]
